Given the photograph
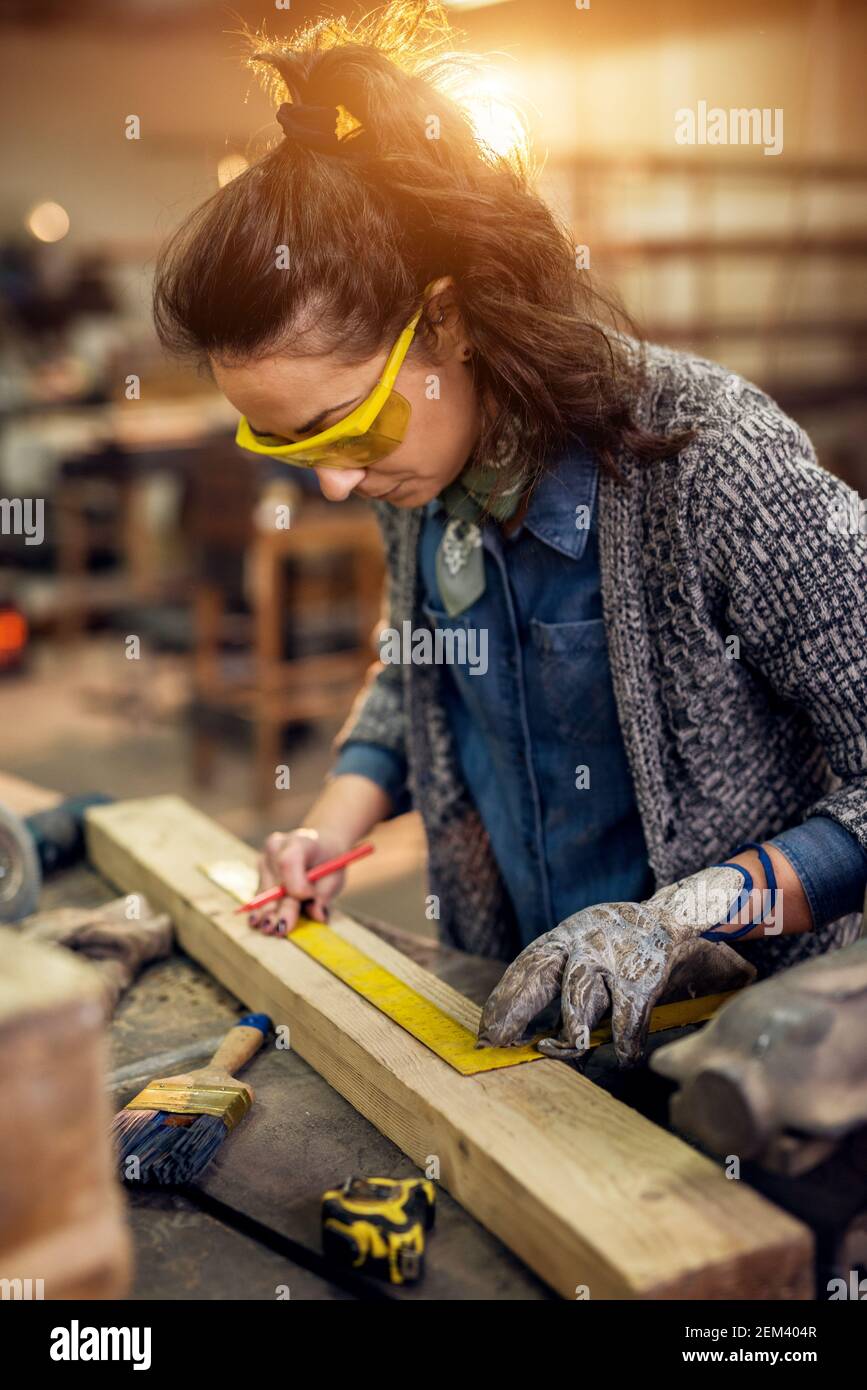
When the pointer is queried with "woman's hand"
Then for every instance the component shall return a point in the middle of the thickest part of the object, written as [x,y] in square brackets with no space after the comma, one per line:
[286,859]
[619,956]
[346,810]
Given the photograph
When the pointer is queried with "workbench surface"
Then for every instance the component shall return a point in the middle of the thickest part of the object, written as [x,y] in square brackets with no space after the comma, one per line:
[302,1137]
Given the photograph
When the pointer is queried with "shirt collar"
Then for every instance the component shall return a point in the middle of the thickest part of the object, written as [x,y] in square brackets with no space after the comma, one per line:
[552,515]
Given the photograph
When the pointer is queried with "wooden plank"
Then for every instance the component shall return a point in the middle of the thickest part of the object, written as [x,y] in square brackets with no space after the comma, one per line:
[25,798]
[588,1193]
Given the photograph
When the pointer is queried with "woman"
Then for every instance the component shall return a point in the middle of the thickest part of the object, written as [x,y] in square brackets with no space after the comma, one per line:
[666,741]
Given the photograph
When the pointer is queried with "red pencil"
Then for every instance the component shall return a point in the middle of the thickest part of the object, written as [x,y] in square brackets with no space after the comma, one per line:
[273,895]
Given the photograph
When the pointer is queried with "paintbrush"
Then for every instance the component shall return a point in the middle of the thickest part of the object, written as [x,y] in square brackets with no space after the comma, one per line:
[170,1131]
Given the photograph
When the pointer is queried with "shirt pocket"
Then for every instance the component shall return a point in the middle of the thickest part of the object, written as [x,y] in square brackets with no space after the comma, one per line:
[569,674]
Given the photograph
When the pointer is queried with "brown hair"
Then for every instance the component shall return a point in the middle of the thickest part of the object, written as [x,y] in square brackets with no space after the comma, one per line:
[371,222]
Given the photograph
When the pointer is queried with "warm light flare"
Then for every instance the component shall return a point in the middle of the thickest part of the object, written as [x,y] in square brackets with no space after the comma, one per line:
[48,222]
[229,167]
[496,118]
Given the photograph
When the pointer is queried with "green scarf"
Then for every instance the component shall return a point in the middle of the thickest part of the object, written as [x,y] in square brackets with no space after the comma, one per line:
[460,560]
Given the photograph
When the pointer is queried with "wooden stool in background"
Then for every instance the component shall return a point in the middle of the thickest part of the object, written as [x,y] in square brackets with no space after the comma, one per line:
[321,578]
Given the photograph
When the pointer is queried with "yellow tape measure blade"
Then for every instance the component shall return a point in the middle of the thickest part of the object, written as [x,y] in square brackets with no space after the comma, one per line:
[403,1005]
[419,1016]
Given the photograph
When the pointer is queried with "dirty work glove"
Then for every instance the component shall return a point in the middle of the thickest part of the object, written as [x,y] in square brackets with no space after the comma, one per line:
[622,956]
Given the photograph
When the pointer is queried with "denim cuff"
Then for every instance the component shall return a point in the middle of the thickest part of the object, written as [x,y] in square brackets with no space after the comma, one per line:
[381,765]
[831,865]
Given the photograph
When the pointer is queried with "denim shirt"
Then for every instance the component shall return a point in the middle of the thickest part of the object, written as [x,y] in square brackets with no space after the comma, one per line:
[537,734]
[536,729]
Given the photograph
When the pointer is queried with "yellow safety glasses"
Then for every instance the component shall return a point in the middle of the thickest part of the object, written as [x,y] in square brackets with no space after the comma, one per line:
[372,430]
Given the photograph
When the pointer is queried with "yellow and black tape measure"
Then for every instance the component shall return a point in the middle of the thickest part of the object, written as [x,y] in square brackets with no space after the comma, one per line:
[379,1225]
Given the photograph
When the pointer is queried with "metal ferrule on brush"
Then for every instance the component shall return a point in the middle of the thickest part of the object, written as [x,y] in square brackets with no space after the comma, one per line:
[228,1103]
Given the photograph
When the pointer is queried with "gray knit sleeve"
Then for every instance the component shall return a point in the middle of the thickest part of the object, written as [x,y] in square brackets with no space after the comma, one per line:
[783,548]
[377,714]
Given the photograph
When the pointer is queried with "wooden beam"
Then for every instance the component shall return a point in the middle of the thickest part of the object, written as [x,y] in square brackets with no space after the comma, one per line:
[587,1192]
[25,798]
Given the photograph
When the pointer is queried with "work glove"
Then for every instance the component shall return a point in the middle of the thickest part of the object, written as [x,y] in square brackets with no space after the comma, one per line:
[117,947]
[622,956]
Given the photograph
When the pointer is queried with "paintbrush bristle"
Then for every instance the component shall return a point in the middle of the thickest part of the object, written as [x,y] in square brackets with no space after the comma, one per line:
[153,1148]
[170,1131]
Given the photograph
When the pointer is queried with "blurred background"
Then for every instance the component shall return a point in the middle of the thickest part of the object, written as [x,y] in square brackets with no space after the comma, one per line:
[164,636]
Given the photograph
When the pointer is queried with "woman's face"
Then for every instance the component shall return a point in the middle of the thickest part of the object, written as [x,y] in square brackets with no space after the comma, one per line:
[295,397]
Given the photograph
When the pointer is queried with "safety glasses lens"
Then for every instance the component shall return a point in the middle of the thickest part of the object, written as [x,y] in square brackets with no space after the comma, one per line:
[353,451]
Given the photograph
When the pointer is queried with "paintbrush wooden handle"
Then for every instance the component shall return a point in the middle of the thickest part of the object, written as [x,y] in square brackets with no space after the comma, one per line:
[240,1044]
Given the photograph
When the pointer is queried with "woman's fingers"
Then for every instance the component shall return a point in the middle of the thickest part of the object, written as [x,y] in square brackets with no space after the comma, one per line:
[285,863]
[317,909]
[286,914]
[266,873]
[328,887]
[290,861]
[530,983]
[267,879]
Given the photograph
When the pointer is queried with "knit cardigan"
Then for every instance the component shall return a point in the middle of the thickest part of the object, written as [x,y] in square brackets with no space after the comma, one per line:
[727,741]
